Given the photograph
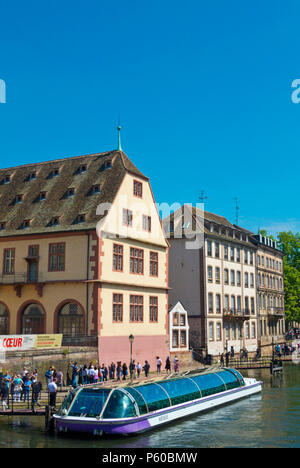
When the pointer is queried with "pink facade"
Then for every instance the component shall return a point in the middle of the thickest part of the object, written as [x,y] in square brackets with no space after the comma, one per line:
[117,348]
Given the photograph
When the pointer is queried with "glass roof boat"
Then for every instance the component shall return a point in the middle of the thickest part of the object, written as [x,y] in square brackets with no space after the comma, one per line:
[138,407]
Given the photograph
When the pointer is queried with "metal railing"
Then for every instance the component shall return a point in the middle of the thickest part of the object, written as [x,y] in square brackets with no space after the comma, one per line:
[20,278]
[80,340]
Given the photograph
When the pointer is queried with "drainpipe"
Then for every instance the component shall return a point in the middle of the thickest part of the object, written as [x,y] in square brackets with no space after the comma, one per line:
[87,284]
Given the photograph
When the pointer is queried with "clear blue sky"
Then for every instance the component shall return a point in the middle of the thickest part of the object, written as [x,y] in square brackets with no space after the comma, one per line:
[203,90]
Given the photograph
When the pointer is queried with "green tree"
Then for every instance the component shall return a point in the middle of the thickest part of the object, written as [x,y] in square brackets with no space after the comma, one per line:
[289,243]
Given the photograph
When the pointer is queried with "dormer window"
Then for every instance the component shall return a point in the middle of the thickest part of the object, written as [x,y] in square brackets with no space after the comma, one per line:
[79,219]
[54,221]
[53,173]
[18,199]
[69,193]
[42,196]
[81,169]
[2,226]
[105,165]
[25,224]
[31,176]
[5,180]
[94,190]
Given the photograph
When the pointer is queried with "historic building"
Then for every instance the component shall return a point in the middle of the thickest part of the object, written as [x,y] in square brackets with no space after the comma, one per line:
[83,254]
[270,291]
[215,279]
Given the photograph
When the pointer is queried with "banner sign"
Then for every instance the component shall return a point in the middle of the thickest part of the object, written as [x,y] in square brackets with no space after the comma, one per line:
[25,342]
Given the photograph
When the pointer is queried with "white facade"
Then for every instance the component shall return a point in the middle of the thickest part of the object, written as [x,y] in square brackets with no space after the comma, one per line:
[178,328]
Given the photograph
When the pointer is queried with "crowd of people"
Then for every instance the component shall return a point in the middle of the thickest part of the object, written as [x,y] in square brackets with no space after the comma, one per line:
[89,374]
[17,387]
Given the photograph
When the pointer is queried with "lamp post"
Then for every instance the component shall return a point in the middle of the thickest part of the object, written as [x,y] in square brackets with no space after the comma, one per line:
[131,339]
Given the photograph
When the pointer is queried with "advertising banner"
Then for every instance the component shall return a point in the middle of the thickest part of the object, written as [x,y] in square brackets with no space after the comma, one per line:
[26,342]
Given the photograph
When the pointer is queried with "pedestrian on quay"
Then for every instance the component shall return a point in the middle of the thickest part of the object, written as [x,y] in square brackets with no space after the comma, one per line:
[17,388]
[112,371]
[124,370]
[60,379]
[158,364]
[227,355]
[138,369]
[48,375]
[27,386]
[119,371]
[36,390]
[176,364]
[168,365]
[146,368]
[132,368]
[4,395]
[75,370]
[52,389]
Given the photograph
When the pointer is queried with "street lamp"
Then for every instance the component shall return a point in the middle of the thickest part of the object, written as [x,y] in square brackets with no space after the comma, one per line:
[131,339]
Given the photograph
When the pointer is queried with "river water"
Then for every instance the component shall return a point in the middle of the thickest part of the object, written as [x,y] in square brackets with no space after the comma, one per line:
[270,419]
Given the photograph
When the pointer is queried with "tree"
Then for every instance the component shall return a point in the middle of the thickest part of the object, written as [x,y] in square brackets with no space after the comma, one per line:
[289,243]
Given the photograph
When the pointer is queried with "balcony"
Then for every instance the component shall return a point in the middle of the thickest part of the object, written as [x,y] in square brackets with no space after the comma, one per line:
[276,312]
[18,280]
[240,314]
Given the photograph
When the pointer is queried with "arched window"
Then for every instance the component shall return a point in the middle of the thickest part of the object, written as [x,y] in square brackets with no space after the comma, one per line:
[71,320]
[3,320]
[32,321]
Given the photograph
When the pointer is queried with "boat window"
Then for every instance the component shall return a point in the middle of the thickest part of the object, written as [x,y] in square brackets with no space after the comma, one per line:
[238,375]
[155,397]
[230,379]
[181,390]
[89,402]
[66,403]
[139,399]
[209,384]
[119,406]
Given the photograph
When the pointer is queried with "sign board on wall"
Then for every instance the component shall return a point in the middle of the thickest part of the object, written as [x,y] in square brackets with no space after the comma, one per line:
[26,342]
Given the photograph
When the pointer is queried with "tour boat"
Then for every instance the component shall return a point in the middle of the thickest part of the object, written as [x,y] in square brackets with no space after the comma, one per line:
[138,407]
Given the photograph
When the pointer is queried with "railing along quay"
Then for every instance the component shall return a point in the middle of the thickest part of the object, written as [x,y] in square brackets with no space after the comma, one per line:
[33,406]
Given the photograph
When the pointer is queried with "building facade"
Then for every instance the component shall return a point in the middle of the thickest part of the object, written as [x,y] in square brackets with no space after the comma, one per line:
[216,281]
[83,254]
[270,291]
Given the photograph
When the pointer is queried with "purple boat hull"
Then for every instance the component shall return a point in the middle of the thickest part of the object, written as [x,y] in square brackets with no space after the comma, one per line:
[117,429]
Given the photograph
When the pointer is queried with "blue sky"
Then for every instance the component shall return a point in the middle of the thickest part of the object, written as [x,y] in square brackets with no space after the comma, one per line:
[203,90]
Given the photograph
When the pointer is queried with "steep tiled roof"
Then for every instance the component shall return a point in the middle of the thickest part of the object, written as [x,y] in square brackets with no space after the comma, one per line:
[45,195]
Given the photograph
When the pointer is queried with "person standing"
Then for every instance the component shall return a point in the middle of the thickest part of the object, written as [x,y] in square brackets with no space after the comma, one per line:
[17,388]
[75,370]
[158,364]
[124,370]
[138,369]
[60,379]
[52,389]
[168,365]
[27,387]
[146,368]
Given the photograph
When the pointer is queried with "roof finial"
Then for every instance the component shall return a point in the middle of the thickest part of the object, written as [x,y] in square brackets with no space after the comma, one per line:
[119,144]
[119,128]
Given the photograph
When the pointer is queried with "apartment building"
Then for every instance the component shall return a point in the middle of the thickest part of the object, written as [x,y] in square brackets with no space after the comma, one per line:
[270,290]
[83,254]
[216,281]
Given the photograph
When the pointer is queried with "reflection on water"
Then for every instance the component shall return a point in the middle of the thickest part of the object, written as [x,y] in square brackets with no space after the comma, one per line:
[270,419]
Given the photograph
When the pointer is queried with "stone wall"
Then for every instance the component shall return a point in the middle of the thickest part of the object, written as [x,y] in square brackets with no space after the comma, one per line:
[41,360]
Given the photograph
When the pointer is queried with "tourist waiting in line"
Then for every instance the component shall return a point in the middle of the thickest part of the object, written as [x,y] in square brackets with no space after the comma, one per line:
[146,368]
[17,388]
[168,365]
[138,369]
[158,364]
[52,389]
